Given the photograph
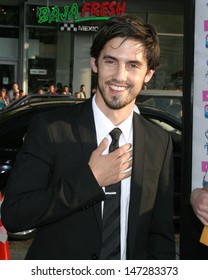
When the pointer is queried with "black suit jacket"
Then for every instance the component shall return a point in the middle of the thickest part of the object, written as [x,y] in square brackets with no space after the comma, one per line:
[52,188]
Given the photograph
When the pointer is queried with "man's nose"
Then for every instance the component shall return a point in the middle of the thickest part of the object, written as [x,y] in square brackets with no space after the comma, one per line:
[121,73]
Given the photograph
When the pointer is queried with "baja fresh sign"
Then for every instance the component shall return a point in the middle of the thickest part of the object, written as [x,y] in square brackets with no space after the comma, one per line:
[89,11]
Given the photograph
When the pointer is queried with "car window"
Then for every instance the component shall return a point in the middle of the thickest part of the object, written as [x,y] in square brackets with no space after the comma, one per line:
[171,105]
[169,101]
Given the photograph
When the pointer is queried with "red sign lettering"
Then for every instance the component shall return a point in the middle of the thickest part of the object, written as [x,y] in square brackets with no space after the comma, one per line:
[103,9]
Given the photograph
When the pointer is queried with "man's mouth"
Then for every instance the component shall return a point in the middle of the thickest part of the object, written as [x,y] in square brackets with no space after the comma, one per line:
[117,88]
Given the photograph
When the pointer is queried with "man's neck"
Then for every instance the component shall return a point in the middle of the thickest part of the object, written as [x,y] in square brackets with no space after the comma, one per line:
[116,116]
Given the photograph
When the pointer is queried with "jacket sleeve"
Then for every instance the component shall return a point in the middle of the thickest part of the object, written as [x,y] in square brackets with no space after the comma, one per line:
[34,196]
[161,243]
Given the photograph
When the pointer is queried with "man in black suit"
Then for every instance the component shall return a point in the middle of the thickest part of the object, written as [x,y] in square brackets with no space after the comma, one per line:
[60,180]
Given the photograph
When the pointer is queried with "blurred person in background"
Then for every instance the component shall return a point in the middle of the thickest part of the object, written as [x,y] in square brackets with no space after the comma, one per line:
[66,90]
[59,88]
[81,93]
[21,93]
[51,89]
[40,91]
[4,101]
[13,92]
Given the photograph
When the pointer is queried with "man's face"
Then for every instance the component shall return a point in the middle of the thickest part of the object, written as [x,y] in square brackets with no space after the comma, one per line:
[83,88]
[122,71]
[3,94]
[51,88]
[15,87]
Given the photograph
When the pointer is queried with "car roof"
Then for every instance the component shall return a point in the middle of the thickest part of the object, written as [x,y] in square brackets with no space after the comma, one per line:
[33,102]
[163,93]
[35,98]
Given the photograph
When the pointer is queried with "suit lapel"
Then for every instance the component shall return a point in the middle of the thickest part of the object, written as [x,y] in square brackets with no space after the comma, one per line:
[86,129]
[136,181]
[88,141]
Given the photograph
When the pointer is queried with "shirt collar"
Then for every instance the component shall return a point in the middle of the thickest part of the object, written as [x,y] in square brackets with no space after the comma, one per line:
[104,125]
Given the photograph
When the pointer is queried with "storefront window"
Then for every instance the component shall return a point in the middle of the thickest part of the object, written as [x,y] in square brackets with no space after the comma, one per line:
[9,32]
[166,23]
[9,44]
[169,75]
[170,29]
[41,58]
[49,58]
[9,15]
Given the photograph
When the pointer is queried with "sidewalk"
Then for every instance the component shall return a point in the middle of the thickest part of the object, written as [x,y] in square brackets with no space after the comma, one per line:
[18,249]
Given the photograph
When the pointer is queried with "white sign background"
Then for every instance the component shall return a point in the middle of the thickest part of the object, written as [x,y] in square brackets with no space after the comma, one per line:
[200,95]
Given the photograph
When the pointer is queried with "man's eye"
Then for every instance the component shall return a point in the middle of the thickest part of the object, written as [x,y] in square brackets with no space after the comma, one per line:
[110,61]
[133,66]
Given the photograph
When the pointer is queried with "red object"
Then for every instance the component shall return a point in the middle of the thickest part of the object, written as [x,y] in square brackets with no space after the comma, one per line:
[4,251]
[4,246]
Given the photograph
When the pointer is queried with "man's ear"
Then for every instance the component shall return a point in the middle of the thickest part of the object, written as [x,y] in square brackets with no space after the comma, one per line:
[149,76]
[93,64]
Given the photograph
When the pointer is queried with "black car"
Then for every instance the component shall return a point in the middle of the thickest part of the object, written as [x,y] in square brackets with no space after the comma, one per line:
[14,122]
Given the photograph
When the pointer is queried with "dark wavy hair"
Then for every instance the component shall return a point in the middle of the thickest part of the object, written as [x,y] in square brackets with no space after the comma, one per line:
[128,27]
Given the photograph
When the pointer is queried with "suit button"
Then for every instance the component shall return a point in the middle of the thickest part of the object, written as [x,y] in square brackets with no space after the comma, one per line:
[95,257]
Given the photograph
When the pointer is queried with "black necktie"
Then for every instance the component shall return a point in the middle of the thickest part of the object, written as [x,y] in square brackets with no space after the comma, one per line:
[110,249]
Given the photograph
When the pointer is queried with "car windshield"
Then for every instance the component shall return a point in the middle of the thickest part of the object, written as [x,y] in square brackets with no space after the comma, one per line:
[35,99]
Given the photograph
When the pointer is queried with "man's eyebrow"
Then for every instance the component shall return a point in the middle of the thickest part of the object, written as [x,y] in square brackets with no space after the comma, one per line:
[136,62]
[130,61]
[109,57]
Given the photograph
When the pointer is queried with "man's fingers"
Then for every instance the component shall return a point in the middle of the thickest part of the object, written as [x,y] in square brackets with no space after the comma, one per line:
[126,166]
[113,167]
[102,146]
[123,149]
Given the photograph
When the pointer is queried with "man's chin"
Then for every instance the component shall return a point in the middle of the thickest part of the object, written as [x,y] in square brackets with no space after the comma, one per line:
[115,105]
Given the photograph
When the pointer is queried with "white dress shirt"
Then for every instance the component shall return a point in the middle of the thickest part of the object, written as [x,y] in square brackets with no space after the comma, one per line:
[103,126]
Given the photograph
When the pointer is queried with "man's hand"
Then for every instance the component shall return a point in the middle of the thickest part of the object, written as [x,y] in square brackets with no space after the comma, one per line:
[199,202]
[113,167]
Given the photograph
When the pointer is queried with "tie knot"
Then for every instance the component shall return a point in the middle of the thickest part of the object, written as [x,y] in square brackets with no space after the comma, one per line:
[115,134]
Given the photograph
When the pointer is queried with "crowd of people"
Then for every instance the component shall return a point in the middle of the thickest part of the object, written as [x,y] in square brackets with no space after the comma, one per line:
[9,96]
[63,89]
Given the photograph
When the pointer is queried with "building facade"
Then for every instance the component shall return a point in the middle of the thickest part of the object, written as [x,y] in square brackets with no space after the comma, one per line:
[48,41]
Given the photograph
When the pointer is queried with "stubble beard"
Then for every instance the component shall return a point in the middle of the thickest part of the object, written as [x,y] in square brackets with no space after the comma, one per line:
[115,103]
